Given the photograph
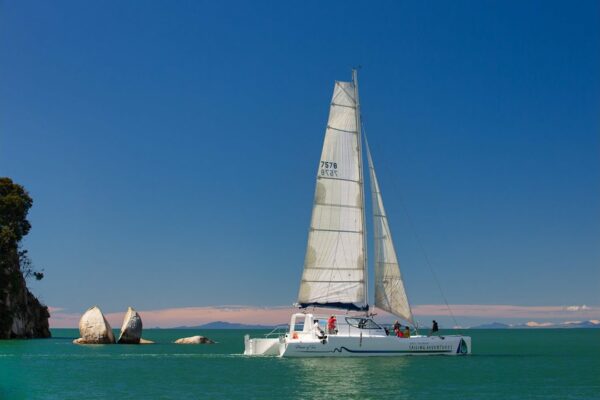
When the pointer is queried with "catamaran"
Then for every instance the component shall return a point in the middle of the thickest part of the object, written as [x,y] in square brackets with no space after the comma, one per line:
[335,266]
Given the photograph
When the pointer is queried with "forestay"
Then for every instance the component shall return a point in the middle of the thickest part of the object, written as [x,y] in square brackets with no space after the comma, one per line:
[390,294]
[334,264]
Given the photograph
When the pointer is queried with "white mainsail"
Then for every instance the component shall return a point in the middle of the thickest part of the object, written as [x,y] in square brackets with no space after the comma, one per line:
[390,294]
[335,261]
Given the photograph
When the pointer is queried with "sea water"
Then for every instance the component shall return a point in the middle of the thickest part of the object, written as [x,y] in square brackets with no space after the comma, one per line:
[505,364]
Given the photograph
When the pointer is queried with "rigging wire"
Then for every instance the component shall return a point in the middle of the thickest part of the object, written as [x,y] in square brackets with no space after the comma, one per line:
[420,244]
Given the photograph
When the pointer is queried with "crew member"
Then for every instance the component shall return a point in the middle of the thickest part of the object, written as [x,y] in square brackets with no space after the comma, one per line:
[331,325]
[396,327]
[318,331]
[434,327]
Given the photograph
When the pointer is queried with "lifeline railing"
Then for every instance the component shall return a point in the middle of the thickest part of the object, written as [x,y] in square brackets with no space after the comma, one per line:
[278,331]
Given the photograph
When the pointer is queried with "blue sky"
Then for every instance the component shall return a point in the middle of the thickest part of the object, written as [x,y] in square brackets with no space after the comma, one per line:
[171,148]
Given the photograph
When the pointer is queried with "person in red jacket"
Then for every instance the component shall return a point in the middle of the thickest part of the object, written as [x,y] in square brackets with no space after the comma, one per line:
[400,332]
[397,329]
[332,325]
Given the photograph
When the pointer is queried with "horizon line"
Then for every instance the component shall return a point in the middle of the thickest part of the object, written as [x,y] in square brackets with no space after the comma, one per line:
[279,315]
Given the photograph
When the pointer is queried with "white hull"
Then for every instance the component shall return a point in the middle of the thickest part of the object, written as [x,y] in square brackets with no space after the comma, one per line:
[262,346]
[350,341]
[339,346]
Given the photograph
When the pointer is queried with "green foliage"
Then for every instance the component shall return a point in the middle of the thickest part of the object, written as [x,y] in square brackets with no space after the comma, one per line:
[27,268]
[15,203]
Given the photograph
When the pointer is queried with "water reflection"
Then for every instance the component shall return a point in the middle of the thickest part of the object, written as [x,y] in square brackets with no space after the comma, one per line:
[353,376]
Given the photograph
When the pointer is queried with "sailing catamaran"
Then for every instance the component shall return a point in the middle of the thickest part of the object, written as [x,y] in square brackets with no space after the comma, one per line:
[335,266]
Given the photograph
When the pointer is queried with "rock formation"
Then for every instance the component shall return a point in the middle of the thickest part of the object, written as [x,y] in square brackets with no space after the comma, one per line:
[94,328]
[131,330]
[194,340]
[21,314]
[146,341]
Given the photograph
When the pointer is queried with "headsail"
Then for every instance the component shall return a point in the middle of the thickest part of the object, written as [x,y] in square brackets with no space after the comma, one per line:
[390,294]
[334,265]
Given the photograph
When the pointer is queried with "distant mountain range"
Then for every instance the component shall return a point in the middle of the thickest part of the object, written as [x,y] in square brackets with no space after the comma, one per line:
[494,325]
[225,325]
[548,325]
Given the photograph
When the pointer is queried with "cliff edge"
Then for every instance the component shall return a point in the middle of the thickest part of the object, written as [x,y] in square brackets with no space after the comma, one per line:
[21,314]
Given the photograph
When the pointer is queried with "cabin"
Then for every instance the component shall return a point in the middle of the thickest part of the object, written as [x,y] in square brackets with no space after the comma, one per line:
[302,326]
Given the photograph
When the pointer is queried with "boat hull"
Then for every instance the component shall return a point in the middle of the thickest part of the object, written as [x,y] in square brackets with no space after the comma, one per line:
[263,346]
[351,337]
[345,346]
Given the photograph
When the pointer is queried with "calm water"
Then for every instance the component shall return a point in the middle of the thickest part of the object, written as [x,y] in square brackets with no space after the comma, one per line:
[506,364]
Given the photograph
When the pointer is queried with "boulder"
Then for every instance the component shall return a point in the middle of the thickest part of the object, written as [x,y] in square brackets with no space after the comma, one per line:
[194,340]
[94,328]
[131,331]
[146,341]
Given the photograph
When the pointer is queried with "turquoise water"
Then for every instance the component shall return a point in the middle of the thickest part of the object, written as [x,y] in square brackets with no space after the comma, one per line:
[506,364]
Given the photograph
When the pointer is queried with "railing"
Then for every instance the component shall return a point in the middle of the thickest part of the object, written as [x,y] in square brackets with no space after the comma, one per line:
[278,331]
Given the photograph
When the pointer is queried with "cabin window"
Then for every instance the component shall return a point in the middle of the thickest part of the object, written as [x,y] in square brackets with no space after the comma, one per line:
[298,326]
[362,323]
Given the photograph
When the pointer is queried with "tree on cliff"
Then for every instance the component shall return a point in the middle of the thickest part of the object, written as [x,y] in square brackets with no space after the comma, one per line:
[21,314]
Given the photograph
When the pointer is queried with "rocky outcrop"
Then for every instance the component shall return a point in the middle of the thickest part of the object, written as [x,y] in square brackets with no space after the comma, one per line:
[194,340]
[21,314]
[94,328]
[146,341]
[131,330]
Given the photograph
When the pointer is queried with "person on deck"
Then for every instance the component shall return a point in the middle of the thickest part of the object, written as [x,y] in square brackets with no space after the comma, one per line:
[406,332]
[396,327]
[331,325]
[318,331]
[400,331]
[434,327]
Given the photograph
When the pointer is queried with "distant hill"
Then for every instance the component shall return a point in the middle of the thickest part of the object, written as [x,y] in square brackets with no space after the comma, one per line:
[493,325]
[538,325]
[583,324]
[226,325]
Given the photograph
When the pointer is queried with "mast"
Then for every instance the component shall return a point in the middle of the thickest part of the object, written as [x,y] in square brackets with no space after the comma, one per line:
[362,187]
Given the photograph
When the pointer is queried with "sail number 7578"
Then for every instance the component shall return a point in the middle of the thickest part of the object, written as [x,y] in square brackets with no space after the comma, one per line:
[328,168]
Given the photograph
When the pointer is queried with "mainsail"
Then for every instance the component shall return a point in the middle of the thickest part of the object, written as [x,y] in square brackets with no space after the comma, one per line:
[335,262]
[389,287]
